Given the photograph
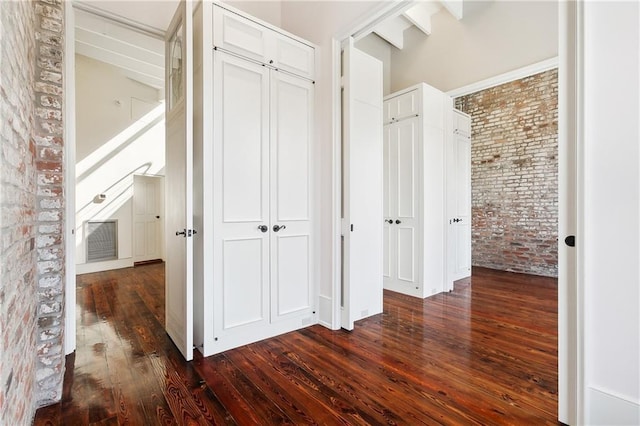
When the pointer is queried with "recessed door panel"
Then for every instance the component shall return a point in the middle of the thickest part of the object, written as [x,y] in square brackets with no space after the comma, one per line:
[238,34]
[386,263]
[291,136]
[406,250]
[406,147]
[292,275]
[294,56]
[244,96]
[407,104]
[243,282]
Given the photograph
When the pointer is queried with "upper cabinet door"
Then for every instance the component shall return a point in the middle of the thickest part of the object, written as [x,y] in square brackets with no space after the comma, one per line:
[179,180]
[293,56]
[401,106]
[245,37]
[240,35]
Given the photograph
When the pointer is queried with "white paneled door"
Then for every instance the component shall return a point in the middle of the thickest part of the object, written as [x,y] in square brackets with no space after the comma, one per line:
[290,198]
[462,216]
[401,221]
[459,195]
[241,179]
[148,217]
[362,187]
[262,250]
[179,181]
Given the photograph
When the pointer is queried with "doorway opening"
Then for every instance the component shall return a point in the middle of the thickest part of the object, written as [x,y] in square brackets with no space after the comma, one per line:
[566,218]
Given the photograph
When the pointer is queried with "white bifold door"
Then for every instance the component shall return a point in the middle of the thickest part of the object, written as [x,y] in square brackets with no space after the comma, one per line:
[179,181]
[362,186]
[262,267]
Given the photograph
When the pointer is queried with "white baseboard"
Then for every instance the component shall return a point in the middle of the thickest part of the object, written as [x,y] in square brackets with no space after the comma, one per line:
[89,268]
[604,408]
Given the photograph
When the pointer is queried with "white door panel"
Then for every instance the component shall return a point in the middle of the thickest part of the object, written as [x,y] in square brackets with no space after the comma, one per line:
[462,225]
[362,186]
[241,175]
[291,256]
[291,136]
[244,282]
[292,294]
[179,180]
[244,94]
[403,199]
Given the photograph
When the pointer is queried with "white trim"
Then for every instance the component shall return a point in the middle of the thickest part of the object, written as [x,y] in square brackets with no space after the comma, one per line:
[507,77]
[69,101]
[570,194]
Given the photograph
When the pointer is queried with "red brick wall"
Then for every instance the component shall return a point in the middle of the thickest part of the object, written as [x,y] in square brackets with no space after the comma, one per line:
[18,271]
[31,200]
[514,154]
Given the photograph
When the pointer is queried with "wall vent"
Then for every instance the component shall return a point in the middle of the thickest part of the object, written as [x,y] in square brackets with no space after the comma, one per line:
[102,240]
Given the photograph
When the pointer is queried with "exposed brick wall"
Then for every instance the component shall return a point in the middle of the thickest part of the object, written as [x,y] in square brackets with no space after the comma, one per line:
[48,132]
[31,201]
[18,271]
[514,174]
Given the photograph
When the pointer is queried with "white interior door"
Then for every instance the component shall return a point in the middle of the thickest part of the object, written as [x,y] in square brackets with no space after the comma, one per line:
[462,219]
[405,142]
[362,186]
[179,181]
[241,182]
[148,217]
[459,198]
[291,257]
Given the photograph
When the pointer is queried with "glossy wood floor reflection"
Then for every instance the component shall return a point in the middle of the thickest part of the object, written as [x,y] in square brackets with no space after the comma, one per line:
[485,353]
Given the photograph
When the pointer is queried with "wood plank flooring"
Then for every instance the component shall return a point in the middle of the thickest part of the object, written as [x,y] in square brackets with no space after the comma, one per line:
[484,354]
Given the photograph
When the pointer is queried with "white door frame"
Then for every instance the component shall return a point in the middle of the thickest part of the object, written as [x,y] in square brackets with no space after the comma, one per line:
[69,100]
[570,187]
[69,152]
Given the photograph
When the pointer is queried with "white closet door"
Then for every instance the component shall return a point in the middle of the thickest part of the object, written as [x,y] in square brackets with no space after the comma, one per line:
[362,186]
[388,179]
[291,133]
[462,218]
[241,181]
[179,181]
[406,223]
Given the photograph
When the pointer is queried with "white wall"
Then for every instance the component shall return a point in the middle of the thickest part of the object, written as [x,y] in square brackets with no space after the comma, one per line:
[500,37]
[119,133]
[611,280]
[381,50]
[267,10]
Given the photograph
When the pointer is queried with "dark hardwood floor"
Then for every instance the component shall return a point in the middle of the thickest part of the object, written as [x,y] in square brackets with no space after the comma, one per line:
[485,353]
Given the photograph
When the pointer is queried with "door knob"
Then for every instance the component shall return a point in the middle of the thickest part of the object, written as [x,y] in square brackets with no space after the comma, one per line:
[389,221]
[398,222]
[276,228]
[183,232]
[263,228]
